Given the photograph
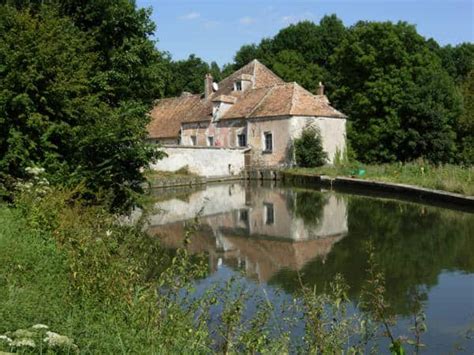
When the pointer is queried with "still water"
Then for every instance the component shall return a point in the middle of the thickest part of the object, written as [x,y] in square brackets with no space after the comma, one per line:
[277,236]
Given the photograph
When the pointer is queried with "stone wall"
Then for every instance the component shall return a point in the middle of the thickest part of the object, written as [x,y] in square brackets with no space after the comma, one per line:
[203,161]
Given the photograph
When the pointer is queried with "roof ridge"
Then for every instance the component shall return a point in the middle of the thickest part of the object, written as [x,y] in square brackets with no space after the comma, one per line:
[260,102]
[254,72]
[174,98]
[292,104]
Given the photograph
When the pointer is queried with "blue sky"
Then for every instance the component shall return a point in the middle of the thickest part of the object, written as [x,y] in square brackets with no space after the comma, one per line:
[215,30]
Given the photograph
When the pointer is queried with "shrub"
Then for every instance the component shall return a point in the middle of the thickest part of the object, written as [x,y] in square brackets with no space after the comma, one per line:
[309,149]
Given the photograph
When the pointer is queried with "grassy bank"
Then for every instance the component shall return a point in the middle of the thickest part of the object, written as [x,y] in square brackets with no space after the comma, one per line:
[452,178]
[75,270]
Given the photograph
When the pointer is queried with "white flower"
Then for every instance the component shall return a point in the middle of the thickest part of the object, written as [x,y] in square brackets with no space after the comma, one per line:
[23,342]
[40,326]
[108,233]
[22,334]
[57,340]
[5,339]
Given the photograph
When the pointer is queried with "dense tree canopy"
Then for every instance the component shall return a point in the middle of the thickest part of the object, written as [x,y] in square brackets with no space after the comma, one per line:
[188,75]
[74,105]
[402,93]
[401,102]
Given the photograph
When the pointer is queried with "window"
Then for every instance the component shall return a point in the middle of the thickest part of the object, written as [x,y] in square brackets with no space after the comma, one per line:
[210,141]
[193,140]
[268,141]
[244,215]
[242,140]
[269,213]
[238,86]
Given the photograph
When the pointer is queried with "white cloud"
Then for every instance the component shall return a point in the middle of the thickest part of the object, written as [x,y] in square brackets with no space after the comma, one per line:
[190,16]
[247,20]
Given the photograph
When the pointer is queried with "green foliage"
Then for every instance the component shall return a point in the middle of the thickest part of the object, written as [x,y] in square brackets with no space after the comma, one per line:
[401,102]
[398,89]
[458,60]
[188,75]
[309,149]
[75,95]
[448,177]
[465,122]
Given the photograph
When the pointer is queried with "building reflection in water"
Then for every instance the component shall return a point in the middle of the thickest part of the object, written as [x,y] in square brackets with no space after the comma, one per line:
[257,228]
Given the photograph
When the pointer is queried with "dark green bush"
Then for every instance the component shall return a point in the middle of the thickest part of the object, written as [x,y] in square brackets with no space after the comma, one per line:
[309,149]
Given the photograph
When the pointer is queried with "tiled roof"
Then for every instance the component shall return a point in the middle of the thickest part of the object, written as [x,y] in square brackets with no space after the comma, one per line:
[262,77]
[268,96]
[167,114]
[289,99]
[225,98]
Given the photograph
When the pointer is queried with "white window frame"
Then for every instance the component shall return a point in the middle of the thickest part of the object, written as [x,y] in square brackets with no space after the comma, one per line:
[239,82]
[264,142]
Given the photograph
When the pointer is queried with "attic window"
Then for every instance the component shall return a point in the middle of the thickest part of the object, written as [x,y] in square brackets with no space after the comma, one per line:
[238,86]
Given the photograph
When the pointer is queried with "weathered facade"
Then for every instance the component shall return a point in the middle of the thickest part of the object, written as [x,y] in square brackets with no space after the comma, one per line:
[251,108]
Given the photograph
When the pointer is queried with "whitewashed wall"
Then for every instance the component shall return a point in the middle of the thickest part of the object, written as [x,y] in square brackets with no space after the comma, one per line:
[333,133]
[203,161]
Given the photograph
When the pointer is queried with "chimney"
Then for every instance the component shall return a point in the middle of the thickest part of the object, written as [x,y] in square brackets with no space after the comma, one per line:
[208,85]
[320,90]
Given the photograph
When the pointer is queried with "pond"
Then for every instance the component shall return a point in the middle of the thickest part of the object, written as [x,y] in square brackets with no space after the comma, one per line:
[280,237]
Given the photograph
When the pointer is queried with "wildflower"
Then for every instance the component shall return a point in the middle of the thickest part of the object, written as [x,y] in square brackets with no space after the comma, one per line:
[34,171]
[108,233]
[22,334]
[40,326]
[23,342]
[4,338]
[57,340]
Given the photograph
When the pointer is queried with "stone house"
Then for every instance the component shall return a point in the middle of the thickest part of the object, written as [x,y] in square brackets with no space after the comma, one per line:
[251,108]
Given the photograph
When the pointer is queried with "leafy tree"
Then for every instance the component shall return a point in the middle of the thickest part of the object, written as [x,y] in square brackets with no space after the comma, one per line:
[299,52]
[61,109]
[315,42]
[458,60]
[187,75]
[465,123]
[130,67]
[246,54]
[291,66]
[401,102]
[309,149]
[215,72]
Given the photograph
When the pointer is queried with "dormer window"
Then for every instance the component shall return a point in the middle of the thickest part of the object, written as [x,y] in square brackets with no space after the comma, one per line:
[238,86]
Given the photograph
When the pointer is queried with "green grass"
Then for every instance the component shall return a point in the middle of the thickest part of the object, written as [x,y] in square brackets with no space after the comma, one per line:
[33,276]
[452,178]
[70,275]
